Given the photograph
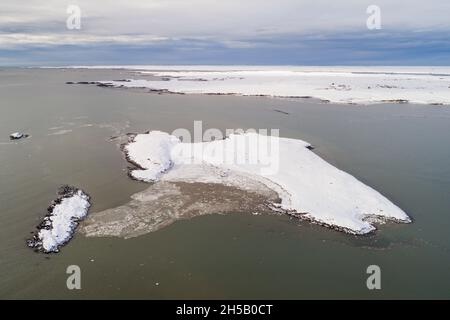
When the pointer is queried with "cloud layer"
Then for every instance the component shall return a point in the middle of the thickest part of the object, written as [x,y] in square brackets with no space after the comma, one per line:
[227,30]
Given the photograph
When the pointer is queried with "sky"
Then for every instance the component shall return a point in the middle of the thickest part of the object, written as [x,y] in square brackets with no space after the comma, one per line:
[226,32]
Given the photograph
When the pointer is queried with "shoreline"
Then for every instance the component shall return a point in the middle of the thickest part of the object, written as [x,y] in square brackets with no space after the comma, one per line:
[316,99]
[343,85]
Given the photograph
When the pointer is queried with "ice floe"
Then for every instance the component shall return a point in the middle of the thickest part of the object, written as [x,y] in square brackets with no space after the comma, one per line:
[18,136]
[64,214]
[163,203]
[309,187]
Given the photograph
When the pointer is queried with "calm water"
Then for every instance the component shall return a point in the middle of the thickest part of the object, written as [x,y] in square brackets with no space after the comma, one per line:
[401,150]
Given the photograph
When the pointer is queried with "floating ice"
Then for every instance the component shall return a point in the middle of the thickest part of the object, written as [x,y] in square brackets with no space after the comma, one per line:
[17,136]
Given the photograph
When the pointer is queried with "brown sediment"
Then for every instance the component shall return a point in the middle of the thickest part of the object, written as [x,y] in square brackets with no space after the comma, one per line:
[166,202]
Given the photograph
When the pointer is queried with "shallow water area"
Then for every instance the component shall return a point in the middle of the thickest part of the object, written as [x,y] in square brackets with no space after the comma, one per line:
[399,149]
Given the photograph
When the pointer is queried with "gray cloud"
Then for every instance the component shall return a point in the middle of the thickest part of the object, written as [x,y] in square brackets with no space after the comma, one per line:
[230,20]
[281,31]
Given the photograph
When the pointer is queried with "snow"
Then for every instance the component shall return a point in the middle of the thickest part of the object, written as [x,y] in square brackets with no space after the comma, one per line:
[152,152]
[60,224]
[367,69]
[307,185]
[363,85]
[16,135]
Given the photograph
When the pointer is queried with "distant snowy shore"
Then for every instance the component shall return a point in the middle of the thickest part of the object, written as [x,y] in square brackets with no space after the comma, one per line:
[309,187]
[64,214]
[362,85]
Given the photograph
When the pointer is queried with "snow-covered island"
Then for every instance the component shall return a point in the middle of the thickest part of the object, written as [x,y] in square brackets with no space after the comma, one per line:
[63,217]
[309,187]
[362,85]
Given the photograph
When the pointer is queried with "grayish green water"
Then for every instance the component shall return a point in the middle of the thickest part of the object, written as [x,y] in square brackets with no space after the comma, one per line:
[401,150]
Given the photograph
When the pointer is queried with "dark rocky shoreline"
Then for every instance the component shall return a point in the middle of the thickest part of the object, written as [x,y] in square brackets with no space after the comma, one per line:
[64,192]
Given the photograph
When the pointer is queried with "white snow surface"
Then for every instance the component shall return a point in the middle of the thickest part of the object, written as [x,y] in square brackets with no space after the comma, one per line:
[63,221]
[16,135]
[152,152]
[362,85]
[225,68]
[305,183]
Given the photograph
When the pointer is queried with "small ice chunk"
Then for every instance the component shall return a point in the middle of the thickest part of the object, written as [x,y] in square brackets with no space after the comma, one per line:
[17,135]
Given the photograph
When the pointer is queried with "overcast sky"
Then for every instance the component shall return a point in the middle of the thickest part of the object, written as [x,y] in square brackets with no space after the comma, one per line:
[318,32]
